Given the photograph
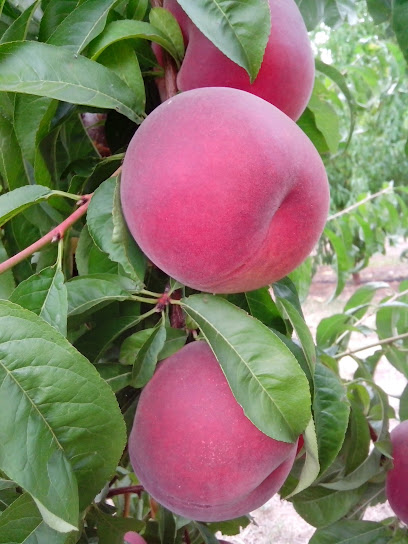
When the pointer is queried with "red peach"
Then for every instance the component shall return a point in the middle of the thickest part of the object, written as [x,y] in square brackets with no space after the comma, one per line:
[193,448]
[222,191]
[396,488]
[287,73]
[134,538]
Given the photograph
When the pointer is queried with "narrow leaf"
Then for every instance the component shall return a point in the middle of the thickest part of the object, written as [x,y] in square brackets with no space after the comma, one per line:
[311,468]
[87,292]
[400,24]
[126,30]
[167,24]
[16,201]
[19,28]
[147,357]
[264,376]
[46,70]
[11,161]
[352,532]
[109,232]
[88,18]
[331,409]
[7,283]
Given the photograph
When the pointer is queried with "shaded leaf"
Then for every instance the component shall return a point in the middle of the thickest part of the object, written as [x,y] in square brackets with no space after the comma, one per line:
[311,467]
[331,410]
[7,283]
[19,28]
[45,294]
[147,356]
[108,230]
[23,523]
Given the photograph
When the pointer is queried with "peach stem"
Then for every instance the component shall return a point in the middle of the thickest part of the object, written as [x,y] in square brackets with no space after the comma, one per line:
[54,235]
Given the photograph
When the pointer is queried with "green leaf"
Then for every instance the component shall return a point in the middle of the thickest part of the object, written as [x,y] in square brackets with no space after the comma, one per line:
[330,328]
[344,262]
[327,121]
[302,331]
[107,325]
[311,468]
[400,24]
[392,320]
[115,375]
[167,526]
[109,232]
[357,441]
[147,356]
[331,410]
[321,507]
[90,259]
[19,28]
[22,522]
[61,425]
[54,14]
[46,70]
[120,58]
[175,340]
[312,12]
[357,304]
[32,121]
[45,294]
[7,283]
[264,376]
[11,162]
[230,527]
[88,292]
[136,9]
[338,78]
[111,529]
[239,29]
[127,30]
[88,18]
[352,532]
[167,24]
[261,306]
[403,407]
[20,199]
[206,534]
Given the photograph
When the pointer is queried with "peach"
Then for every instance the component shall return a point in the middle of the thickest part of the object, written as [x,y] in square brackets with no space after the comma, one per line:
[193,448]
[222,191]
[396,488]
[287,72]
[133,538]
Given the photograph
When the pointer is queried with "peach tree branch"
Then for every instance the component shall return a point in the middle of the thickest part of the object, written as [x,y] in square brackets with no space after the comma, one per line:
[55,235]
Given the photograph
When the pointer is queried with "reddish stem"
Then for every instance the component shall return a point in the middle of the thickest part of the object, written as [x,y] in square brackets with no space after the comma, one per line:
[136,489]
[53,236]
[187,536]
[177,319]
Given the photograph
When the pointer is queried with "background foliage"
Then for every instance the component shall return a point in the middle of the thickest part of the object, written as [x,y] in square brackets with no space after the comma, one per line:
[80,330]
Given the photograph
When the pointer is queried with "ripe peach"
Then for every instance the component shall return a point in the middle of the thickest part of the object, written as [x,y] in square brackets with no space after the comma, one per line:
[134,538]
[396,488]
[287,73]
[222,191]
[193,448]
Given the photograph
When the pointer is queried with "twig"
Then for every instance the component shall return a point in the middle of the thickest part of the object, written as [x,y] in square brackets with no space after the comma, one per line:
[55,235]
[126,508]
[358,204]
[373,345]
[136,489]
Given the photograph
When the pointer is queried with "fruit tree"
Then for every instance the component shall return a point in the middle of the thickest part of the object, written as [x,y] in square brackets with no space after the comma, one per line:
[172,174]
